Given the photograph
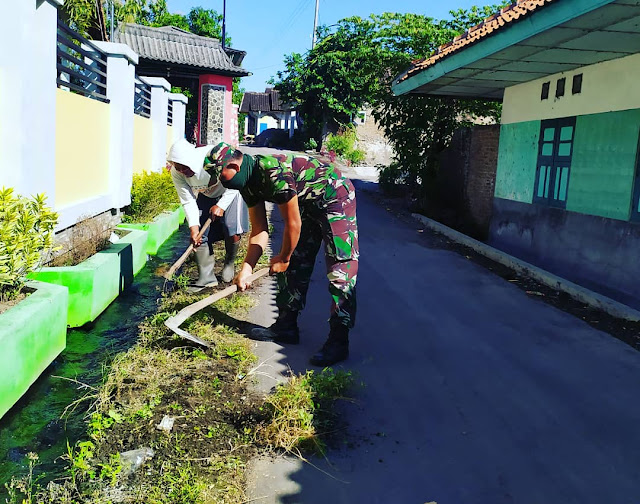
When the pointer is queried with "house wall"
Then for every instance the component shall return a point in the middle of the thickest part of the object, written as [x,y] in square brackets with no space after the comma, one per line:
[466,180]
[606,87]
[142,144]
[593,240]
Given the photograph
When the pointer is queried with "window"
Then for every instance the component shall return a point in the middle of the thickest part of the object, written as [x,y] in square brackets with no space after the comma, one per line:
[560,87]
[554,161]
[544,95]
[577,84]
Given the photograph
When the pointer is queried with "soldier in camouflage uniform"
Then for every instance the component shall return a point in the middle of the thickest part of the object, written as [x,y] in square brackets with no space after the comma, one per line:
[318,205]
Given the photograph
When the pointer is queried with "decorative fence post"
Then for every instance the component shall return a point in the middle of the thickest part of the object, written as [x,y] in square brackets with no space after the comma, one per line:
[160,89]
[28,97]
[179,115]
[121,62]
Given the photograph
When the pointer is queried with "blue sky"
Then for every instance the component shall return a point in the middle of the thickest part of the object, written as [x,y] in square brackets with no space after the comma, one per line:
[270,30]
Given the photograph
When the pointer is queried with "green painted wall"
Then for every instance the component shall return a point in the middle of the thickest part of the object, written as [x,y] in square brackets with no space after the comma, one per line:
[138,241]
[604,163]
[517,158]
[32,335]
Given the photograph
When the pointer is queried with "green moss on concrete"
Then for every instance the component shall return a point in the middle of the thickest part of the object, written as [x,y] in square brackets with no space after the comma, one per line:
[604,164]
[517,160]
[158,230]
[32,335]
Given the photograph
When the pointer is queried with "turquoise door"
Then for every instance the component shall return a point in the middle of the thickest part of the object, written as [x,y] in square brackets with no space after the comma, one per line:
[263,126]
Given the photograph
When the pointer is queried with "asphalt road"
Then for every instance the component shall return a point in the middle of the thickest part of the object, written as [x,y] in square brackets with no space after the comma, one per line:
[474,392]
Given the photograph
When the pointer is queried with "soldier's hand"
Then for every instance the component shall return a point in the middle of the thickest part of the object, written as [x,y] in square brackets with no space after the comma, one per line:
[216,212]
[278,265]
[241,278]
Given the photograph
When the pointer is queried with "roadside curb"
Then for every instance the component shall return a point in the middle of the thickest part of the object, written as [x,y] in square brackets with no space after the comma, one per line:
[576,291]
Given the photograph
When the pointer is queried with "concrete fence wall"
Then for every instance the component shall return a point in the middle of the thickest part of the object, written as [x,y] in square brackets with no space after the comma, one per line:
[80,152]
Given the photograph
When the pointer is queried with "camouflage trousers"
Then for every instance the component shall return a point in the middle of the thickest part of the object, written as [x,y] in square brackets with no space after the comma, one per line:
[335,226]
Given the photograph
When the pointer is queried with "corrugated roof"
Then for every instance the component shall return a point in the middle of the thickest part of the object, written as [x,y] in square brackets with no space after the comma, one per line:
[505,17]
[269,101]
[173,45]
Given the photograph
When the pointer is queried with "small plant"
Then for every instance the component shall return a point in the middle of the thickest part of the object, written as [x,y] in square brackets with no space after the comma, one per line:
[151,194]
[24,486]
[311,144]
[26,230]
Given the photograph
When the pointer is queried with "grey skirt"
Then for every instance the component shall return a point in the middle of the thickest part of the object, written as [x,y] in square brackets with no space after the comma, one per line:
[234,222]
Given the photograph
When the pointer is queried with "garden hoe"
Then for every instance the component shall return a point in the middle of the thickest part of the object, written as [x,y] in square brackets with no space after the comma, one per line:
[176,321]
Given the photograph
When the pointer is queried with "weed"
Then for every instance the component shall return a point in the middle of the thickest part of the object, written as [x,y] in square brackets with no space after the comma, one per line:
[88,237]
[109,471]
[24,487]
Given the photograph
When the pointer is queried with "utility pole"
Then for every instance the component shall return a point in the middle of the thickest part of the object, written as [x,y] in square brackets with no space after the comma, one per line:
[224,22]
[315,25]
[112,21]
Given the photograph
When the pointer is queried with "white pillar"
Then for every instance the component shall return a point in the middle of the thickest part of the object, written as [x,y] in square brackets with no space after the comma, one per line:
[179,115]
[121,69]
[28,97]
[160,90]
[292,123]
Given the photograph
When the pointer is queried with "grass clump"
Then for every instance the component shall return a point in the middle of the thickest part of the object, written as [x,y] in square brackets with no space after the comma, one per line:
[151,194]
[301,410]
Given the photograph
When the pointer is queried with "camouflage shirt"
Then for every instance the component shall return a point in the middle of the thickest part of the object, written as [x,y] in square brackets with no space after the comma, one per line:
[279,178]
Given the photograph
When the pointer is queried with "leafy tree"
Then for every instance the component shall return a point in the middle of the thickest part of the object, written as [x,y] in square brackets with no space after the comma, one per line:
[353,65]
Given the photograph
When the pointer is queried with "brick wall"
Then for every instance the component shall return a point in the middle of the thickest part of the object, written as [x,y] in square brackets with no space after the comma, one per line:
[466,180]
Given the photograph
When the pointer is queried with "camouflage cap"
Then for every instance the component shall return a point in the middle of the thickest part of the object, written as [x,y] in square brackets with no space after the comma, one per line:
[222,153]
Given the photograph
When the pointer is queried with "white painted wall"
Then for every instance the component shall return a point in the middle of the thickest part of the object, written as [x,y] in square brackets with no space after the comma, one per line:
[121,69]
[28,96]
[606,87]
[179,114]
[160,90]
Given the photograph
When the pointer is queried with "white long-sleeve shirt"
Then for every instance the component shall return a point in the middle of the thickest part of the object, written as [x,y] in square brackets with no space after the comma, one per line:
[188,189]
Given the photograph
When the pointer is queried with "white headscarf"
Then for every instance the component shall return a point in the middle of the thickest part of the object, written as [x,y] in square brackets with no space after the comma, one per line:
[185,153]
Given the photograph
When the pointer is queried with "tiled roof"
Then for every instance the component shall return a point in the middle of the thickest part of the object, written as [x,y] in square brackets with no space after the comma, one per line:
[505,17]
[173,45]
[269,101]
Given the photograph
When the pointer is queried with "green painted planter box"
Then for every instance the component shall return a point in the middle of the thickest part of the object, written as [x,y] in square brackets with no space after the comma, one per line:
[138,241]
[32,335]
[160,229]
[95,283]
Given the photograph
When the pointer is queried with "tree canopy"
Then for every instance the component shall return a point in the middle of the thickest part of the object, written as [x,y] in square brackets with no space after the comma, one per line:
[353,65]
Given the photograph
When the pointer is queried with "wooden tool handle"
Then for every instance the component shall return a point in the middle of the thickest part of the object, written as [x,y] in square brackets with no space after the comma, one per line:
[184,256]
[190,310]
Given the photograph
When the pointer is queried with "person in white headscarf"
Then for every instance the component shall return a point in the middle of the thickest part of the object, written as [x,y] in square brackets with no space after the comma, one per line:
[202,197]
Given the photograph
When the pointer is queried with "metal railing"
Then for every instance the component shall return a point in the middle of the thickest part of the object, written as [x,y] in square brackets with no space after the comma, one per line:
[170,113]
[81,66]
[142,99]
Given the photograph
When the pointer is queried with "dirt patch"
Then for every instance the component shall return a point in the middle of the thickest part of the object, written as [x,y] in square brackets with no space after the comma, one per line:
[7,305]
[624,330]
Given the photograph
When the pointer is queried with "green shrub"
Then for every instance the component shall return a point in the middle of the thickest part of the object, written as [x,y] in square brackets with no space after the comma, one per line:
[356,156]
[26,229]
[151,194]
[342,142]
